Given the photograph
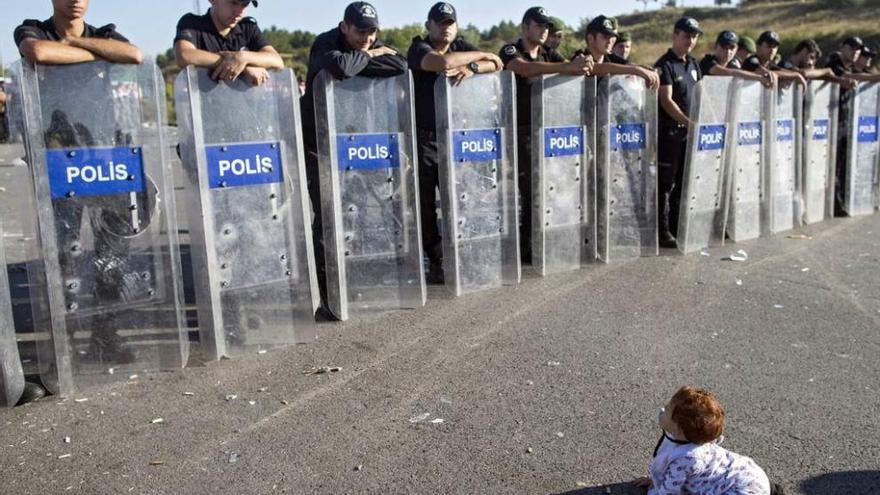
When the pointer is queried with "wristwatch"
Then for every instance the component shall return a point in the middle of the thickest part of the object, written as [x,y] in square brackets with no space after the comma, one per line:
[474,67]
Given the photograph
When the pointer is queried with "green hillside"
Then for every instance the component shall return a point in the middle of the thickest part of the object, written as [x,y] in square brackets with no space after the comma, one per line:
[793,20]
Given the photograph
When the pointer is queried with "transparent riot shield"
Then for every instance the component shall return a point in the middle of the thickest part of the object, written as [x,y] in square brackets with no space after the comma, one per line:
[626,169]
[476,129]
[250,233]
[110,267]
[369,194]
[861,170]
[563,173]
[11,373]
[780,174]
[747,156]
[819,150]
[704,189]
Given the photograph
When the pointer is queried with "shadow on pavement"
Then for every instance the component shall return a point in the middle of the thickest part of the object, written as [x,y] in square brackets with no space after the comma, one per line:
[844,482]
[613,489]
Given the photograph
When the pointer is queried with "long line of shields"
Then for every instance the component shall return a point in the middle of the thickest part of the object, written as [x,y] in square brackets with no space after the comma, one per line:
[107,293]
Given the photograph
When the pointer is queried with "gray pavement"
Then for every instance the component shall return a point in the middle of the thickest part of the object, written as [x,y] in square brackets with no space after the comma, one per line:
[550,387]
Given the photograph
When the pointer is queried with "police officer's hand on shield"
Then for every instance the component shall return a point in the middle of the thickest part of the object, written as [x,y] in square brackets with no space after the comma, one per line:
[226,42]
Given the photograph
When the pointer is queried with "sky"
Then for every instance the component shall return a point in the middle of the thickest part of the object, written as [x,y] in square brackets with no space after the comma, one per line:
[150,23]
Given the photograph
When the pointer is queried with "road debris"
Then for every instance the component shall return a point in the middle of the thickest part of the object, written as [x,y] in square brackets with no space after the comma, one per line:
[419,418]
[323,370]
[739,256]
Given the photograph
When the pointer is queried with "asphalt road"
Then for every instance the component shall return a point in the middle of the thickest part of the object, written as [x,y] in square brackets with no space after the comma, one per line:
[550,387]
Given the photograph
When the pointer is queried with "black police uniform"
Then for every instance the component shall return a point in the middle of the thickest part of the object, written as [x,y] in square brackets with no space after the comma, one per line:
[201,32]
[610,58]
[45,31]
[682,75]
[710,60]
[753,63]
[508,53]
[62,133]
[836,64]
[332,53]
[426,133]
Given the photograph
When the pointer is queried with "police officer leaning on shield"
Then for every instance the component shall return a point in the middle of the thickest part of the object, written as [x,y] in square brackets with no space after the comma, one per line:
[65,38]
[600,37]
[528,58]
[441,51]
[722,61]
[348,50]
[227,42]
[764,59]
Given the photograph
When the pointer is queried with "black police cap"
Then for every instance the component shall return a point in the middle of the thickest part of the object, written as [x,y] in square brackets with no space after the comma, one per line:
[442,12]
[362,15]
[769,37]
[854,42]
[688,25]
[604,25]
[727,38]
[537,14]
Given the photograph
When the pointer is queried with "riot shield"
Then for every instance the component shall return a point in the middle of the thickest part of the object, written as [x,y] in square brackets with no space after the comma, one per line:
[704,189]
[476,129]
[253,263]
[369,194]
[861,169]
[11,373]
[626,169]
[820,144]
[563,173]
[751,111]
[110,266]
[781,201]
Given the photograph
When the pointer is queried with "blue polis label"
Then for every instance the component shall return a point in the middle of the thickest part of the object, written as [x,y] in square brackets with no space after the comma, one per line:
[868,129]
[476,145]
[628,136]
[368,151]
[749,133]
[784,130]
[563,141]
[248,164]
[95,171]
[820,129]
[711,137]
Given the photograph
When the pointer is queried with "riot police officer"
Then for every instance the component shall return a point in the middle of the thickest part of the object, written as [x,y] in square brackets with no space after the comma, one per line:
[528,58]
[863,63]
[764,59]
[745,48]
[679,73]
[65,38]
[600,37]
[348,50]
[722,61]
[227,42]
[623,45]
[843,64]
[440,52]
[556,34]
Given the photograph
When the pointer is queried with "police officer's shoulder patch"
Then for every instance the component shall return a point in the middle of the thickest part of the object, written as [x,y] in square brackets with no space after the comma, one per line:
[510,50]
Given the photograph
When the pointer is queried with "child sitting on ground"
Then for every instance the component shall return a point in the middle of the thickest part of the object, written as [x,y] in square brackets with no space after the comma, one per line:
[688,458]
